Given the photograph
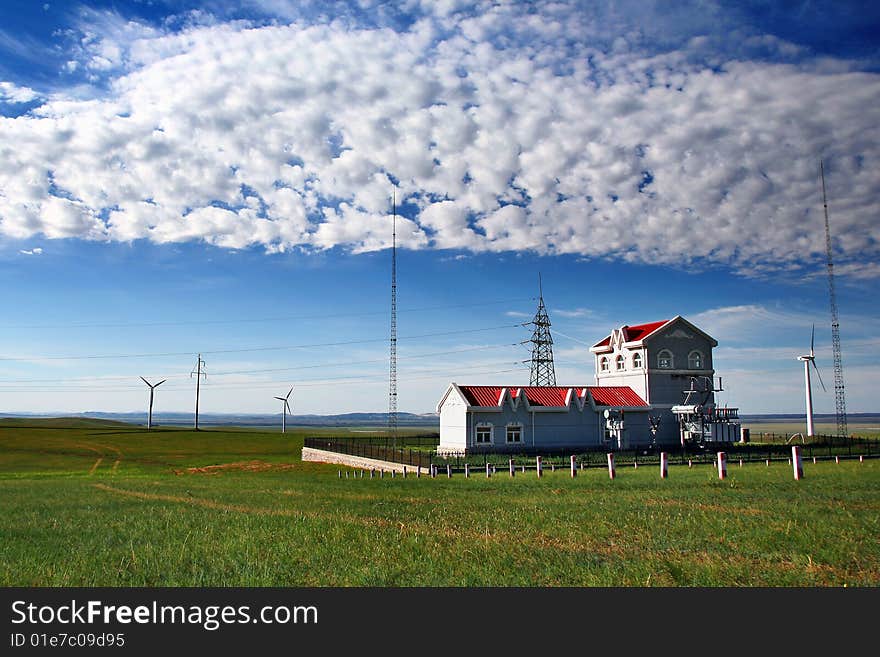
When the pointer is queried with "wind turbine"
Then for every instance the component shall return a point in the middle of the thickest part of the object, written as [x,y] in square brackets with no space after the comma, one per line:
[153,387]
[285,407]
[807,359]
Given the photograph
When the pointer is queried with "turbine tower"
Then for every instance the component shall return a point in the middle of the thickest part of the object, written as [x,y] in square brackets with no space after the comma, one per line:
[392,375]
[153,387]
[807,359]
[542,373]
[839,396]
[285,408]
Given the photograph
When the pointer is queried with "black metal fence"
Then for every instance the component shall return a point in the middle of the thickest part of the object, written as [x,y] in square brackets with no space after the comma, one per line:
[421,451]
[407,450]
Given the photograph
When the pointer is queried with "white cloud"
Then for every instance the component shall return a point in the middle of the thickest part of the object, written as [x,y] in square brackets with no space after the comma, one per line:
[34,251]
[507,131]
[12,93]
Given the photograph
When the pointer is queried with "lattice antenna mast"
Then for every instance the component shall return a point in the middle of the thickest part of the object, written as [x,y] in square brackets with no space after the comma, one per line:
[198,373]
[392,378]
[839,396]
[543,373]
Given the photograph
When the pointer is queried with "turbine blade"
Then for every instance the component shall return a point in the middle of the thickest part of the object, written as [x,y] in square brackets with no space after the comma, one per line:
[815,367]
[280,398]
[145,381]
[287,406]
[288,393]
[160,383]
[812,338]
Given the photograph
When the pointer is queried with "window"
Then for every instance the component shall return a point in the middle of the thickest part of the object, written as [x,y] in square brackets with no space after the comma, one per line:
[619,362]
[695,360]
[637,360]
[514,434]
[664,360]
[603,363]
[483,435]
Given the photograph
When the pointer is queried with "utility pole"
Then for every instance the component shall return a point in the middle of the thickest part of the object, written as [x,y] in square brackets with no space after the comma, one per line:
[198,374]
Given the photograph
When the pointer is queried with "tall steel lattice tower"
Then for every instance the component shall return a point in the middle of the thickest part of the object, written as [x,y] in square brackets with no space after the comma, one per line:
[543,373]
[392,378]
[839,396]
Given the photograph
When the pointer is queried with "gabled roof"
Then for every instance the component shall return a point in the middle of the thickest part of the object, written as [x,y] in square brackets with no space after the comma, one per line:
[550,396]
[634,333]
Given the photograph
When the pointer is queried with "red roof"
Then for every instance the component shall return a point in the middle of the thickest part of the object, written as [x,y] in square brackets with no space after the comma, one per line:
[634,333]
[615,396]
[546,395]
[481,395]
[553,395]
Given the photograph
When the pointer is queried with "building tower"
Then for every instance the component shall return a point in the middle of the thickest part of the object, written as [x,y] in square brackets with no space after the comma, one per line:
[839,397]
[542,373]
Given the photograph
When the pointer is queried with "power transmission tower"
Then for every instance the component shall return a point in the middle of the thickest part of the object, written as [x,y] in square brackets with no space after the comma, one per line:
[839,396]
[392,378]
[198,374]
[542,373]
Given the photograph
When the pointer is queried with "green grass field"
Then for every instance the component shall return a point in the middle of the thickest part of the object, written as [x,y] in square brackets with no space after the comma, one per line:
[113,505]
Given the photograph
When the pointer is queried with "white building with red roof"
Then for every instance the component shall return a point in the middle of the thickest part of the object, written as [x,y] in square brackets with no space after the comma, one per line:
[642,371]
[524,418]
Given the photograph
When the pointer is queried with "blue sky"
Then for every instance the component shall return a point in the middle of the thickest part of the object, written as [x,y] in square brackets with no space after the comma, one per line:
[181,177]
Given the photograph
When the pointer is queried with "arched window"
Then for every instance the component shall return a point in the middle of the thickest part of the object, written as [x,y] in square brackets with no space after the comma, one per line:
[695,360]
[637,360]
[603,364]
[664,360]
[619,362]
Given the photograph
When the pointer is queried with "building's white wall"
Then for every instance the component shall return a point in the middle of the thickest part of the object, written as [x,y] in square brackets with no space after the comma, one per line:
[453,424]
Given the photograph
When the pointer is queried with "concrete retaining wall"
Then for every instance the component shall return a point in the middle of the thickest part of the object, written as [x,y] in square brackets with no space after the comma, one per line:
[323,456]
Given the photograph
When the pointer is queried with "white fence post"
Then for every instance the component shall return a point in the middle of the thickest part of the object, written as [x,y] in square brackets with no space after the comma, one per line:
[467,470]
[488,470]
[574,470]
[722,465]
[512,468]
[538,465]
[664,465]
[448,471]
[610,465]
[404,472]
[796,462]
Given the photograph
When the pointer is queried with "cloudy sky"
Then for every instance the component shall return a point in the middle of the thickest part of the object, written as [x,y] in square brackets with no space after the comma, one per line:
[180,177]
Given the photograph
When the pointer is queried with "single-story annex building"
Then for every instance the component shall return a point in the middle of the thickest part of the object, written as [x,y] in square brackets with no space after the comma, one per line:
[499,418]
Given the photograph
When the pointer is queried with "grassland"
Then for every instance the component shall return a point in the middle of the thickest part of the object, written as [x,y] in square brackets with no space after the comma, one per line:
[115,505]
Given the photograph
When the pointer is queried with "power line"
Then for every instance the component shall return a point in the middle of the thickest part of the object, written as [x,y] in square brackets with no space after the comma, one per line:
[366,378]
[99,379]
[252,349]
[284,318]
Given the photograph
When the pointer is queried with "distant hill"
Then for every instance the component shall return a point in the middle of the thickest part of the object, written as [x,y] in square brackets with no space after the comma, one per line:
[61,422]
[817,417]
[231,419]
